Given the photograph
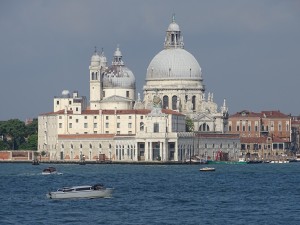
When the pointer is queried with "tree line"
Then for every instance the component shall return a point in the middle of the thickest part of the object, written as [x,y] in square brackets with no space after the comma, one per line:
[16,135]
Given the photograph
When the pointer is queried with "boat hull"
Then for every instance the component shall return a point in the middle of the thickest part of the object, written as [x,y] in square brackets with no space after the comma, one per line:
[207,169]
[104,193]
[226,162]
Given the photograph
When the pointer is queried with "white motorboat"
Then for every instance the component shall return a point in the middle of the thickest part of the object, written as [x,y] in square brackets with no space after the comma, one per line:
[49,170]
[86,191]
[207,169]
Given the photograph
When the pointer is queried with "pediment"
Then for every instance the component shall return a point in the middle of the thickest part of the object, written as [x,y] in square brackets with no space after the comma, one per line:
[203,117]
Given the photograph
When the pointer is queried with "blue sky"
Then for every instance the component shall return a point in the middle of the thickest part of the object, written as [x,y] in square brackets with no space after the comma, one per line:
[249,50]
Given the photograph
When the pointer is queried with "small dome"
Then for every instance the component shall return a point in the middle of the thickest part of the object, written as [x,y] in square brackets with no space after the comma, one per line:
[118,76]
[65,93]
[173,27]
[95,60]
[174,64]
[102,58]
[118,53]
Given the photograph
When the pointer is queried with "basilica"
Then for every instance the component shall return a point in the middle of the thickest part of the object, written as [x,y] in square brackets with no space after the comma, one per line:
[117,124]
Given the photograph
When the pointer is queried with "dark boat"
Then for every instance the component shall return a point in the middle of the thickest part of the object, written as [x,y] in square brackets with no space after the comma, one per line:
[35,162]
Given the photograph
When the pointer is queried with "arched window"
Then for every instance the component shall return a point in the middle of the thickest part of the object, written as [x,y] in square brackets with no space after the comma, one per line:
[93,76]
[142,126]
[165,102]
[204,127]
[194,102]
[174,102]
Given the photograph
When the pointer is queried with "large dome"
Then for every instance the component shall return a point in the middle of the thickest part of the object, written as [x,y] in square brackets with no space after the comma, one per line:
[174,63]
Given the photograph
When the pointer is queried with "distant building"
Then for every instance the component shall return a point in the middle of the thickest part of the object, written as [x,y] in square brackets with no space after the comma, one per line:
[295,137]
[117,126]
[263,135]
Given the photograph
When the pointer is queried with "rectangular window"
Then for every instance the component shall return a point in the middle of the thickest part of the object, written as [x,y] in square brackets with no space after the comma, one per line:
[249,128]
[57,102]
[77,120]
[279,127]
[118,132]
[129,117]
[95,125]
[70,125]
[118,117]
[130,132]
[156,127]
[95,132]
[106,132]
[256,128]
[95,117]
[70,102]
[142,117]
[70,117]
[76,109]
[129,125]
[106,125]
[103,93]
[127,94]
[118,125]
[272,125]
[237,128]
[85,117]
[85,125]
[60,117]
[60,125]
[107,117]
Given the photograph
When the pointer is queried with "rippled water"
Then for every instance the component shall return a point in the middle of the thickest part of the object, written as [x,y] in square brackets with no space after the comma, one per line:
[156,194]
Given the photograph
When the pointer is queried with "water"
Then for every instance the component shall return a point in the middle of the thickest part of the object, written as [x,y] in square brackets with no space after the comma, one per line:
[162,194]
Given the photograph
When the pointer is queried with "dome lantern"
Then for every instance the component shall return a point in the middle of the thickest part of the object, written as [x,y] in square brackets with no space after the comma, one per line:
[173,37]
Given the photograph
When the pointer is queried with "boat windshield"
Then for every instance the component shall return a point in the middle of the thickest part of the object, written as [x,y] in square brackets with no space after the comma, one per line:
[65,189]
[98,186]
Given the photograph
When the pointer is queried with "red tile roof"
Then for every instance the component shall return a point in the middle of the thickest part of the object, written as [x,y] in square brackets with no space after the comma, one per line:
[262,114]
[246,113]
[273,114]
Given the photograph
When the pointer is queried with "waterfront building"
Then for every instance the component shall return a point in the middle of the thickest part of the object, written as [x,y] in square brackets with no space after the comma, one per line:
[263,135]
[118,126]
[295,138]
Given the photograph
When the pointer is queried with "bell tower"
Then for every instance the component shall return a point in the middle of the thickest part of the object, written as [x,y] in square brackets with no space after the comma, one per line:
[98,63]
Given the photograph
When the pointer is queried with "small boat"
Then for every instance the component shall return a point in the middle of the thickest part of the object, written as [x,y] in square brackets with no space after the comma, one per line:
[86,191]
[35,162]
[49,170]
[207,169]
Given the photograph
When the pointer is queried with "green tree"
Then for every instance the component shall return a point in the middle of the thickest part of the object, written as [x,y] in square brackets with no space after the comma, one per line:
[14,134]
[189,124]
[16,129]
[31,143]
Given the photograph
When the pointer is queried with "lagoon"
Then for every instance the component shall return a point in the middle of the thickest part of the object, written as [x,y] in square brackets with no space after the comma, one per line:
[153,194]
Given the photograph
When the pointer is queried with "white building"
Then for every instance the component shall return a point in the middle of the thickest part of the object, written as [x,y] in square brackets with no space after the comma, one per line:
[116,126]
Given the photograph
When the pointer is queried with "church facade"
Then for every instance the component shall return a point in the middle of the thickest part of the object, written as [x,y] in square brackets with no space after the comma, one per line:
[116,125]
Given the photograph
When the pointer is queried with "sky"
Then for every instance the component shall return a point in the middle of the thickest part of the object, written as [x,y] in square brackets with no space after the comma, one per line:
[248,50]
